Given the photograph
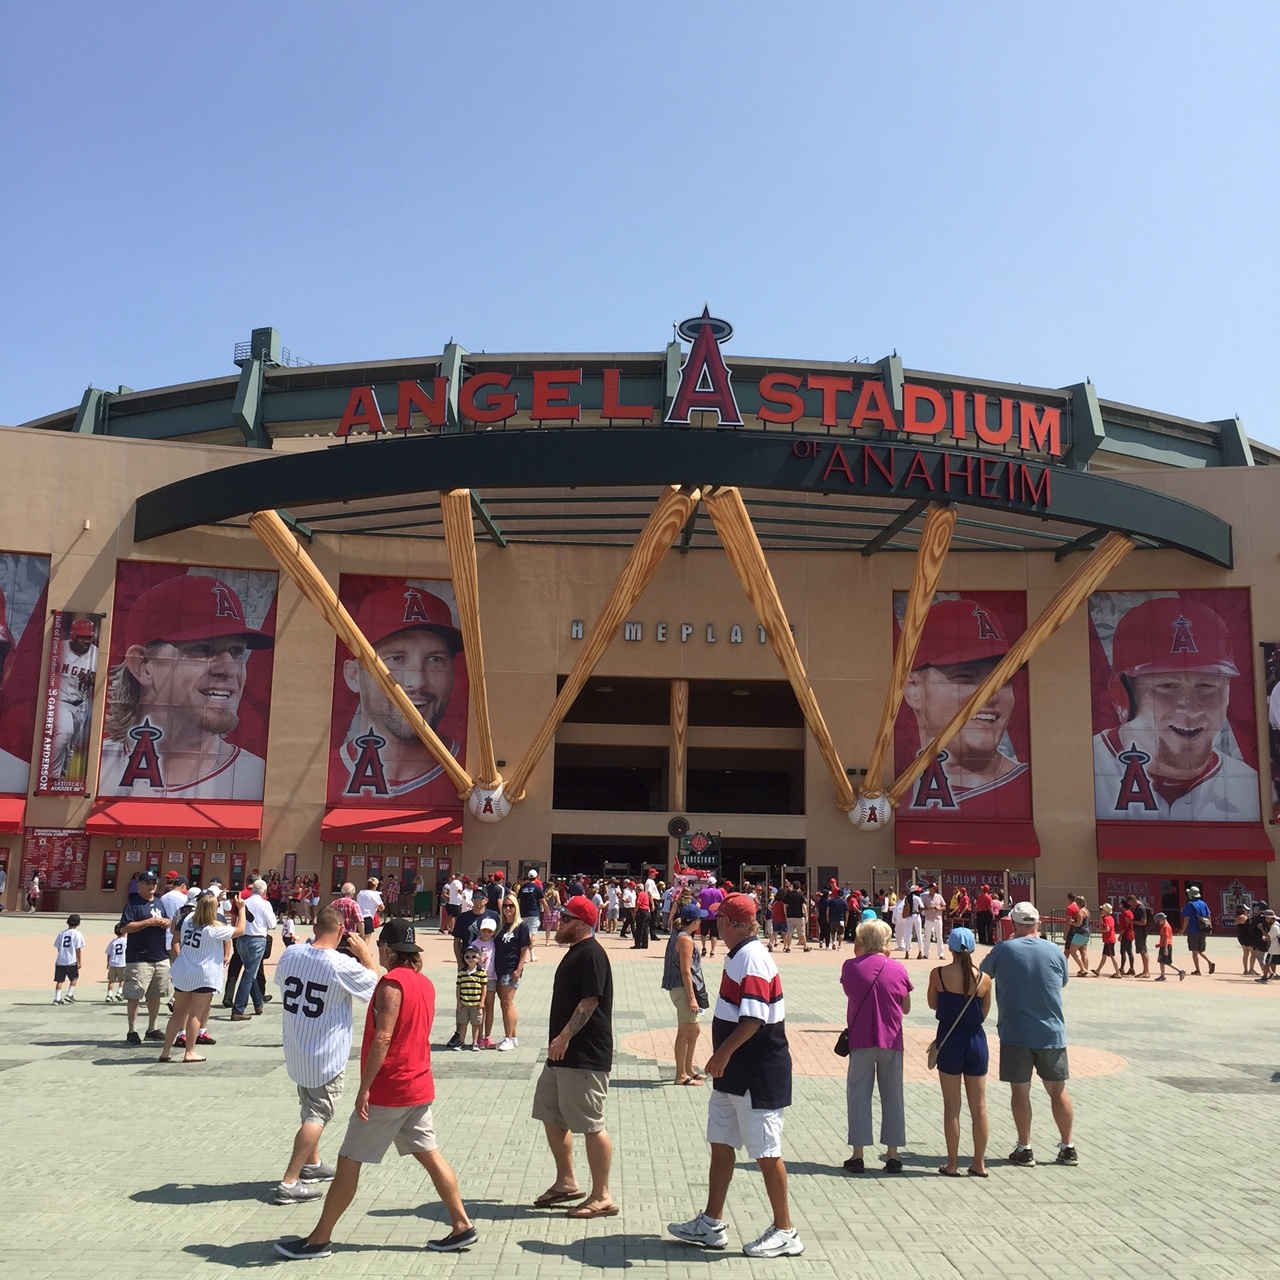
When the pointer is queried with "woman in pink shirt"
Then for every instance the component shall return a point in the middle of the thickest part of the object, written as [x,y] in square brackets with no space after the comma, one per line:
[879,992]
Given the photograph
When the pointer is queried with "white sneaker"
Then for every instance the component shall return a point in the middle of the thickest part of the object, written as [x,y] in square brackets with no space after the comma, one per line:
[506,1043]
[703,1231]
[775,1244]
[71,997]
[57,999]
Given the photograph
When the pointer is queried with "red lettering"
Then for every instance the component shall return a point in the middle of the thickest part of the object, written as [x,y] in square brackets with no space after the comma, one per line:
[873,405]
[829,385]
[957,415]
[985,477]
[782,388]
[1040,430]
[495,408]
[551,394]
[911,421]
[611,405]
[948,473]
[986,434]
[431,404]
[838,463]
[870,456]
[361,411]
[917,469]
[1032,492]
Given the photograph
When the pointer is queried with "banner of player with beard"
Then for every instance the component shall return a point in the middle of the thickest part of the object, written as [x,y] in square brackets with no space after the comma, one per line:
[1174,724]
[24,583]
[63,762]
[1271,665]
[375,758]
[189,684]
[985,771]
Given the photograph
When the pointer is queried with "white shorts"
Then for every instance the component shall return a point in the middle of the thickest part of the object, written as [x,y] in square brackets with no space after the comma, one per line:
[732,1122]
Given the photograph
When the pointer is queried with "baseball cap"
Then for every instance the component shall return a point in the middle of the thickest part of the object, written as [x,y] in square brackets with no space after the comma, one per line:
[193,895]
[961,939]
[82,627]
[488,922]
[170,875]
[149,875]
[407,608]
[1193,892]
[957,631]
[691,911]
[398,935]
[1024,913]
[190,606]
[583,909]
[869,913]
[1172,634]
[986,888]
[737,907]
[471,950]
[533,874]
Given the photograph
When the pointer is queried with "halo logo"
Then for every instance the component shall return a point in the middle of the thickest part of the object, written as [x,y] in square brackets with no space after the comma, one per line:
[704,376]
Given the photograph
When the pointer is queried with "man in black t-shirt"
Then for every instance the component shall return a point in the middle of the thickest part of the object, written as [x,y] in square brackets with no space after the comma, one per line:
[146,956]
[571,1091]
[531,895]
[797,916]
[1141,924]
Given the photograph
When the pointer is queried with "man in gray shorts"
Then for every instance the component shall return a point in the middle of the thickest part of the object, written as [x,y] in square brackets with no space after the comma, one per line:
[1029,973]
[317,982]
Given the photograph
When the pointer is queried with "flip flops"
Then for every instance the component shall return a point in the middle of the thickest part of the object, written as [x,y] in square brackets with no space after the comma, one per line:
[949,1173]
[549,1198]
[978,1173]
[606,1211]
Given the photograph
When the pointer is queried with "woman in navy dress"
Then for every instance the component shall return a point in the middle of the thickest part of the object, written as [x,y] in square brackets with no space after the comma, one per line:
[962,1057]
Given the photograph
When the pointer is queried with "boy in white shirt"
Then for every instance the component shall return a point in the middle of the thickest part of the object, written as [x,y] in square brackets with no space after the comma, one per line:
[115,966]
[69,945]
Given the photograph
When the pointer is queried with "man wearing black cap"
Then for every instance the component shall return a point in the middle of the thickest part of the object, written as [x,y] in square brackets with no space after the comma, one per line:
[146,956]
[396,1093]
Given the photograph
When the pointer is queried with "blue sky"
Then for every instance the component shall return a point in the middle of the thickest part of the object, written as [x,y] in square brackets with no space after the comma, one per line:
[1029,192]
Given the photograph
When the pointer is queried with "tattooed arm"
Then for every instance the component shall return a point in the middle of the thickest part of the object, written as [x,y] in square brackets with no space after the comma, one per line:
[577,1020]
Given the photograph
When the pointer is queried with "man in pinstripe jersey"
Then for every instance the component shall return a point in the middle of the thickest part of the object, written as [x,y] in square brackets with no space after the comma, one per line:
[317,982]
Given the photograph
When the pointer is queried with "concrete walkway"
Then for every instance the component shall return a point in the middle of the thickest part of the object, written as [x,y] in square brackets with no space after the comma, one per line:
[117,1166]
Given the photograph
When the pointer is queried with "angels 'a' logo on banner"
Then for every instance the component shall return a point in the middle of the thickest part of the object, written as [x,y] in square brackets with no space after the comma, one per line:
[985,770]
[376,757]
[1174,723]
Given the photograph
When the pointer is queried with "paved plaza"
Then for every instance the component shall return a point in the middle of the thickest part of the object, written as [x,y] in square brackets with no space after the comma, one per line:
[117,1166]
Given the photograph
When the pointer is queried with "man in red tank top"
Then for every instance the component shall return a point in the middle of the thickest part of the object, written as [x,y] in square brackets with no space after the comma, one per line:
[396,1093]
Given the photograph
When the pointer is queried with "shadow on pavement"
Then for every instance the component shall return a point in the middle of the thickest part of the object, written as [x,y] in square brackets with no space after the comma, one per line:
[199,1193]
[480,1211]
[627,1249]
[916,1167]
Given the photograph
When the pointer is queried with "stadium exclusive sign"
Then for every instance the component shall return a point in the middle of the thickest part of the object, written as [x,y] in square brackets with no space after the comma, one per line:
[853,402]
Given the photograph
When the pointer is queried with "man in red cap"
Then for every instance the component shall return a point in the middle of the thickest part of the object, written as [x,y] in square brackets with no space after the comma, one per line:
[176,696]
[571,1091]
[76,664]
[14,773]
[381,757]
[961,642]
[1173,755]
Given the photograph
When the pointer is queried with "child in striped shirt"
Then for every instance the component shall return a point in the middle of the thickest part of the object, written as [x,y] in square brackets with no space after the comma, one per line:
[472,981]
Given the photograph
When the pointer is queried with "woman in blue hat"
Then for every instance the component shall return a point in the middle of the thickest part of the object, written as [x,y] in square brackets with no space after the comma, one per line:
[961,997]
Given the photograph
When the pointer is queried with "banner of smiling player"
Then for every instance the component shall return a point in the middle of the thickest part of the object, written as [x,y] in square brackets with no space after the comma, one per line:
[375,758]
[189,683]
[24,583]
[1175,731]
[62,767]
[1271,665]
[985,771]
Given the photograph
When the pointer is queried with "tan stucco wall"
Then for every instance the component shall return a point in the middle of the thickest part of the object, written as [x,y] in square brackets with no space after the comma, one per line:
[839,604]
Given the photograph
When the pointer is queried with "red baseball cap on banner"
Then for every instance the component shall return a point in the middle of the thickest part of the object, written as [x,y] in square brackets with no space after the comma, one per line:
[407,608]
[82,627]
[191,606]
[957,631]
[1170,634]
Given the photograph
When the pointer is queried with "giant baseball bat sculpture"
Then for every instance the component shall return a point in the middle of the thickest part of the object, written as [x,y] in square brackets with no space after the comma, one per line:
[460,539]
[1109,553]
[729,515]
[935,541]
[660,531]
[311,582]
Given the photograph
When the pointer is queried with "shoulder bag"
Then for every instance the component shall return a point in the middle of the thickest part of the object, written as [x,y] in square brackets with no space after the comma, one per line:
[935,1045]
[841,1049]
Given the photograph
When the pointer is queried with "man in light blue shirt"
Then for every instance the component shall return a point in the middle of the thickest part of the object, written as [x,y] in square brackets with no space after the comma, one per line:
[1029,973]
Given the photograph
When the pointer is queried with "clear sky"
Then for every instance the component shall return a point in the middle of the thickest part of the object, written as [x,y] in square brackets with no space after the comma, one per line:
[1032,192]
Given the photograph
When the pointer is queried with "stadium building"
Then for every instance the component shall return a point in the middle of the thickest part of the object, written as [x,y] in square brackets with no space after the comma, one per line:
[599,612]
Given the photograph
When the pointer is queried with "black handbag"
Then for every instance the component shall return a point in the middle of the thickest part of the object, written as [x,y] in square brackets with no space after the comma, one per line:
[841,1047]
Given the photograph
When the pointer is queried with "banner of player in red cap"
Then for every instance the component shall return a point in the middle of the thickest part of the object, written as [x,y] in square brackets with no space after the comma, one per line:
[375,757]
[1175,729]
[985,771]
[1271,665]
[24,584]
[62,764]
[189,689]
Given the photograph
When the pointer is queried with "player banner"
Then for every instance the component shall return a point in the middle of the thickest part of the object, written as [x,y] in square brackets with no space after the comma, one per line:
[189,683]
[1174,723]
[375,758]
[1271,666]
[60,856]
[985,770]
[24,584]
[62,766]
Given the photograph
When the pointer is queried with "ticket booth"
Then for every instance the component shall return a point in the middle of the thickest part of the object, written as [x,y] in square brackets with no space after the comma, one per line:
[110,868]
[237,872]
[338,873]
[195,870]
